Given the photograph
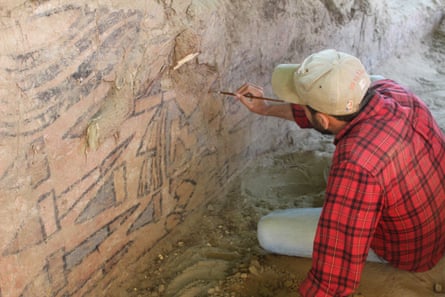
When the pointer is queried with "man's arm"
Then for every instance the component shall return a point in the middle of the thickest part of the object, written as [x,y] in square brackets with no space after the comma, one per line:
[287,111]
[261,107]
[351,212]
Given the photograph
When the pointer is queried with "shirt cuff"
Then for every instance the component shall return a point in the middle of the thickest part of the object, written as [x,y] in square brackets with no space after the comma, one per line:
[300,117]
[312,288]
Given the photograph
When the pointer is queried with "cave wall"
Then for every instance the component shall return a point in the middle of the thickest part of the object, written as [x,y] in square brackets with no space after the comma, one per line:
[109,136]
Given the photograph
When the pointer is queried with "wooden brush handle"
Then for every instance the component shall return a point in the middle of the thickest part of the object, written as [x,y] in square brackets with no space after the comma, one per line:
[250,96]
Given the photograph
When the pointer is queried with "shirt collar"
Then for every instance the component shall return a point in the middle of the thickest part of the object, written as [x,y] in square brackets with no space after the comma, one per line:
[368,111]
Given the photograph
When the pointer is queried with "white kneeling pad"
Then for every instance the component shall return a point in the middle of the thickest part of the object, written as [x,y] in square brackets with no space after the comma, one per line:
[289,232]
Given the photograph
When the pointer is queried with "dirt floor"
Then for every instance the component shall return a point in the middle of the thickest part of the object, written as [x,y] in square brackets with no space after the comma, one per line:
[216,253]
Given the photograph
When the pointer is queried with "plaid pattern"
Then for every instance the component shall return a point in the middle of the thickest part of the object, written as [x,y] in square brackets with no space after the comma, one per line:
[300,116]
[386,190]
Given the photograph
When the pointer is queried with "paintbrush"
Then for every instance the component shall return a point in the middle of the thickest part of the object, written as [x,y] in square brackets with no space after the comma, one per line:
[250,96]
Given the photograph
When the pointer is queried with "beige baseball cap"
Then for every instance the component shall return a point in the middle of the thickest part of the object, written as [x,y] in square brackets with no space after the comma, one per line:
[329,81]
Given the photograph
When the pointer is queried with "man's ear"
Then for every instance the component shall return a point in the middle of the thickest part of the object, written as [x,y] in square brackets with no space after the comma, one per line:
[323,120]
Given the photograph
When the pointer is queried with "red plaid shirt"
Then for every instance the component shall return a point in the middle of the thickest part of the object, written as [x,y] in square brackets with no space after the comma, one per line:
[386,190]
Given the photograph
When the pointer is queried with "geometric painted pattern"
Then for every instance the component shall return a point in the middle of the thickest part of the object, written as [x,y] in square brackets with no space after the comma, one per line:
[82,212]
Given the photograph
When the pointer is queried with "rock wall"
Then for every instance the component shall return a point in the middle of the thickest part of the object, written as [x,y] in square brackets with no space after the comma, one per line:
[109,136]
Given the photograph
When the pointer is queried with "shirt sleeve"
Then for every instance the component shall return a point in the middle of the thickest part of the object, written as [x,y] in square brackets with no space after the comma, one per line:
[300,117]
[351,212]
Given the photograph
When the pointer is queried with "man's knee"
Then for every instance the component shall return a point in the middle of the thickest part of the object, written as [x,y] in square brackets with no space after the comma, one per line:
[289,232]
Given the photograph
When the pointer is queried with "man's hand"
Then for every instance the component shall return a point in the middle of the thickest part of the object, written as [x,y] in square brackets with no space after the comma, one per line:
[261,107]
[254,105]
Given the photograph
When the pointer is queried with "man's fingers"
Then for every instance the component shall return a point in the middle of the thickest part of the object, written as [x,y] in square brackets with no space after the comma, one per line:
[256,87]
[243,99]
[243,89]
[249,88]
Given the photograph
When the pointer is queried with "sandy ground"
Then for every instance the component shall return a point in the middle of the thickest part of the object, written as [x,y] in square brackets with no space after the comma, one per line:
[216,253]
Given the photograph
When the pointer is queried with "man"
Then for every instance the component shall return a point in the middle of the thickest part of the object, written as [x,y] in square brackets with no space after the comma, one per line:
[386,186]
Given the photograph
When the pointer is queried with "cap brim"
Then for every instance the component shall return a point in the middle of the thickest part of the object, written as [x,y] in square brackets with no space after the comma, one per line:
[283,83]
